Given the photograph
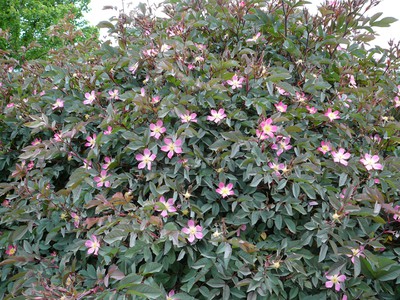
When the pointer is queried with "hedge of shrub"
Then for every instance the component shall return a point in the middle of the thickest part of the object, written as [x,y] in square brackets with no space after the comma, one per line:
[228,150]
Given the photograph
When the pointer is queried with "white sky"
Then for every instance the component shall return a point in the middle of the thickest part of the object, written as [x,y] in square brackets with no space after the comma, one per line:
[390,8]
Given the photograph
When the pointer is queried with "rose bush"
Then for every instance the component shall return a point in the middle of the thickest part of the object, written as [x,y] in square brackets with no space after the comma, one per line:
[232,150]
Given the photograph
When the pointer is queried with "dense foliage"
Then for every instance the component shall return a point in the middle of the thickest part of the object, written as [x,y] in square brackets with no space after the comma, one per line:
[234,150]
[25,25]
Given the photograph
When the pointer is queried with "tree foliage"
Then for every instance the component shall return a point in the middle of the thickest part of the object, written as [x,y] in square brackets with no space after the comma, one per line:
[26,23]
[234,150]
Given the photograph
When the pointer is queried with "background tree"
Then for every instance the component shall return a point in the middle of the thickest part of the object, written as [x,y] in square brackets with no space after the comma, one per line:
[25,25]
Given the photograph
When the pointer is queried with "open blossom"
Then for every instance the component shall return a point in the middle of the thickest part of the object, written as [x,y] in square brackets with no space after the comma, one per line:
[169,206]
[108,131]
[301,97]
[58,104]
[235,82]
[36,141]
[396,102]
[335,280]
[325,147]
[76,219]
[170,295]
[194,232]
[11,250]
[217,116]
[113,94]
[188,117]
[396,216]
[225,190]
[311,110]
[281,107]
[356,252]
[91,141]
[371,162]
[93,244]
[157,129]
[90,98]
[341,156]
[57,137]
[282,144]
[102,179]
[254,38]
[145,159]
[107,162]
[155,99]
[332,115]
[266,129]
[282,91]
[277,168]
[352,81]
[172,147]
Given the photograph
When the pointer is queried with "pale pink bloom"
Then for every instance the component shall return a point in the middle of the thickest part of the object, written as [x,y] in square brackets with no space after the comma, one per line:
[376,138]
[371,162]
[311,110]
[332,115]
[225,190]
[170,295]
[157,129]
[325,147]
[335,280]
[36,141]
[241,228]
[191,66]
[345,99]
[134,68]
[11,250]
[282,144]
[30,165]
[396,102]
[155,99]
[58,104]
[145,159]
[102,179]
[281,107]
[254,38]
[10,105]
[235,82]
[277,168]
[194,232]
[42,93]
[356,252]
[169,206]
[114,94]
[108,130]
[76,219]
[216,116]
[266,129]
[93,244]
[165,47]
[150,52]
[242,3]
[91,141]
[188,117]
[281,91]
[87,164]
[341,156]
[200,47]
[172,147]
[301,97]
[90,98]
[108,161]
[352,81]
[396,216]
[377,181]
[142,92]
[57,137]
